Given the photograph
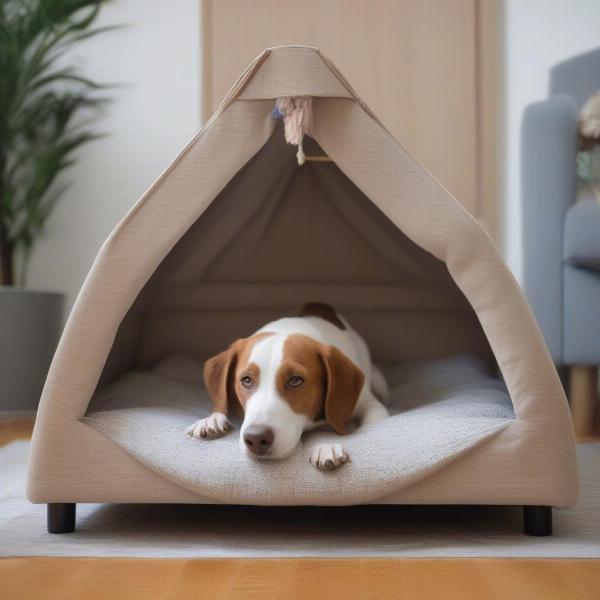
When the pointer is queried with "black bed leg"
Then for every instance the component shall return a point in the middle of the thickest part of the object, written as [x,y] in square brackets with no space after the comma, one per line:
[537,520]
[61,517]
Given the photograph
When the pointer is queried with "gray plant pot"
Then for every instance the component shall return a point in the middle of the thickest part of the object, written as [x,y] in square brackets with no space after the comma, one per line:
[30,326]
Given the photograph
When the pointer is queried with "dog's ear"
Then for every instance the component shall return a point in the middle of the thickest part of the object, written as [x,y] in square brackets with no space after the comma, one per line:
[219,372]
[344,382]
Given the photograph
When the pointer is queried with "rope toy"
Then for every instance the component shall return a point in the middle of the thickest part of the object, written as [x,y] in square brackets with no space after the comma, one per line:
[296,113]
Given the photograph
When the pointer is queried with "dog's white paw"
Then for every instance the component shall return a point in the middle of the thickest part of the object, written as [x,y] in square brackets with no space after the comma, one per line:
[215,426]
[328,456]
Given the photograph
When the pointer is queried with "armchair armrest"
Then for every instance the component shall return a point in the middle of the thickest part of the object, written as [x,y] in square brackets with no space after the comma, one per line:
[548,148]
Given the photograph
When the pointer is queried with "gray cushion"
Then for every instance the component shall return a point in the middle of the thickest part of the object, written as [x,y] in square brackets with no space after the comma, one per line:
[582,234]
[548,150]
[440,409]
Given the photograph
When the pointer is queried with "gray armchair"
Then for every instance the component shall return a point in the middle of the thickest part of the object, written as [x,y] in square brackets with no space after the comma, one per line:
[562,236]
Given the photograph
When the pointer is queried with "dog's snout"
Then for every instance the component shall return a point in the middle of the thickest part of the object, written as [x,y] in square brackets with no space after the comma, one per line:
[258,438]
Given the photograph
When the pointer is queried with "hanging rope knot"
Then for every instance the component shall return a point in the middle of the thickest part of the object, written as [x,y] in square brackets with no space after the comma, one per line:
[296,113]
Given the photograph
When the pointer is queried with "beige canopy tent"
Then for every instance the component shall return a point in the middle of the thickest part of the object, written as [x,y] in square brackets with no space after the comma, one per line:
[233,234]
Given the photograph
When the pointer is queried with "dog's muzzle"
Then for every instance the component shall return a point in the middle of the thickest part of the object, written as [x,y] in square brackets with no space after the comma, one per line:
[258,439]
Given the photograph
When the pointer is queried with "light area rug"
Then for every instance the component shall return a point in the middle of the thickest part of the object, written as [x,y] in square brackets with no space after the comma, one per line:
[181,531]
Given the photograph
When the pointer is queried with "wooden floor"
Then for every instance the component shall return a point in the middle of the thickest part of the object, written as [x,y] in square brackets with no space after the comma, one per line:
[410,579]
[398,579]
[15,429]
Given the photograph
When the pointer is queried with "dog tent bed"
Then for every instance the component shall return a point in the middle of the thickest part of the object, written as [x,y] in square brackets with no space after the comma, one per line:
[235,233]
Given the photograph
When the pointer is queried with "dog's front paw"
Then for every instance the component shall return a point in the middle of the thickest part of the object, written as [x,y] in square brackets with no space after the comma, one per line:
[215,426]
[328,456]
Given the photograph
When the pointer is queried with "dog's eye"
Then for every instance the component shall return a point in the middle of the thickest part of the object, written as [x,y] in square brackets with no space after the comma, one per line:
[246,381]
[295,381]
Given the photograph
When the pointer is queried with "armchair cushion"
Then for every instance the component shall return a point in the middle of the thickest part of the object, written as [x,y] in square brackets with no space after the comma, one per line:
[582,234]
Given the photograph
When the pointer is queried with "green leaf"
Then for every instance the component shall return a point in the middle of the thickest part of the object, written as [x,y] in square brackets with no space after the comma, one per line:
[47,110]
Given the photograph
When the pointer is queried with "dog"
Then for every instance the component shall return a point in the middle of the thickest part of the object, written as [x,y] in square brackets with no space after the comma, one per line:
[291,376]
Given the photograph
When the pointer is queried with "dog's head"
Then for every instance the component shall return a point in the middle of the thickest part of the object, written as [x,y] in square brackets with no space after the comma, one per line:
[284,384]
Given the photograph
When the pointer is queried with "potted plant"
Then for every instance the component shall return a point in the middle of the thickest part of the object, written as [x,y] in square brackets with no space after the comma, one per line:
[46,108]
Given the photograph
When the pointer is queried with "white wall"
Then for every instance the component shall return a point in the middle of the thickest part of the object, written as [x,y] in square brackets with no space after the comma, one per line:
[538,34]
[157,56]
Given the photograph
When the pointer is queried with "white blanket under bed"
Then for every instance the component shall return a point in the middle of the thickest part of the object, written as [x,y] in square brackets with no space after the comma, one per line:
[440,410]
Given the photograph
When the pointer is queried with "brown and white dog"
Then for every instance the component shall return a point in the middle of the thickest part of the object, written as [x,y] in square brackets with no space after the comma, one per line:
[291,376]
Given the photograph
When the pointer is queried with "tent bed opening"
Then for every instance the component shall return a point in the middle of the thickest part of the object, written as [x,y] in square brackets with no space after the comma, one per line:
[277,236]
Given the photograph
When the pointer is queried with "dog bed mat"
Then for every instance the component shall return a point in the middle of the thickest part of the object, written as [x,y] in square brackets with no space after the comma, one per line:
[440,410]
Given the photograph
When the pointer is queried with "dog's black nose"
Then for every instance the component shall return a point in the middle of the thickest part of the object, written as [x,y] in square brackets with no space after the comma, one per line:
[258,438]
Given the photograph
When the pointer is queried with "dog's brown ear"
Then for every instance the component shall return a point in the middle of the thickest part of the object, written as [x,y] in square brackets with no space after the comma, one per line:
[219,374]
[343,386]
